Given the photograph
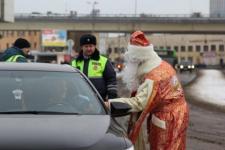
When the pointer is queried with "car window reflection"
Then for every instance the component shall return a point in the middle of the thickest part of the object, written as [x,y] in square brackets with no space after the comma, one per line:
[47,91]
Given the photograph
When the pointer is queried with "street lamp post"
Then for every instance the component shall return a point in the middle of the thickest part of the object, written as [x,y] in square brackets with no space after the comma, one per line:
[93,13]
[93,6]
[135,7]
[65,2]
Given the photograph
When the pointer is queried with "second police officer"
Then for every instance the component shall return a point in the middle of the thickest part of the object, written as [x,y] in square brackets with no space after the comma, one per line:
[96,67]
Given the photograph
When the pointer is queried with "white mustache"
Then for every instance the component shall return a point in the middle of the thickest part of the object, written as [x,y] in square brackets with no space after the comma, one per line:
[130,77]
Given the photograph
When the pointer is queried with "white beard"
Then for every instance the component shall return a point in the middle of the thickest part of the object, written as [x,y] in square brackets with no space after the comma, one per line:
[140,60]
[129,76]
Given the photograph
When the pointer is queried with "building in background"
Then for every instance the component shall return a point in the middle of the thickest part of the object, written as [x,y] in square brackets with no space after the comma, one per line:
[6,10]
[7,37]
[198,49]
[49,45]
[217,8]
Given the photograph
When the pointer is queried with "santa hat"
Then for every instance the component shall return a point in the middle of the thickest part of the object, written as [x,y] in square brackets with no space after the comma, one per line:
[140,47]
[138,38]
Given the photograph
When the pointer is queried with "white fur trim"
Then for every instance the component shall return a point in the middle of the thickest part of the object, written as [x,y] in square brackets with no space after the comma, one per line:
[148,65]
[140,52]
[157,122]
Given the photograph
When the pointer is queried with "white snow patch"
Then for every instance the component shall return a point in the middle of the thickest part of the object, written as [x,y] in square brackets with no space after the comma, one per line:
[210,87]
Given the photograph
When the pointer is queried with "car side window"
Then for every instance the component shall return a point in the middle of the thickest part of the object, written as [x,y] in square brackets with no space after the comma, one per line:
[47,91]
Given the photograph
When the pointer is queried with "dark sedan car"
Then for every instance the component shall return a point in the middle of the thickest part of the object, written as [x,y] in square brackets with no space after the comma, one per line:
[55,107]
[186,66]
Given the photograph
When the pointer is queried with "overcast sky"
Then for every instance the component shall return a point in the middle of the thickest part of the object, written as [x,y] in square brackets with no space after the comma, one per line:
[114,6]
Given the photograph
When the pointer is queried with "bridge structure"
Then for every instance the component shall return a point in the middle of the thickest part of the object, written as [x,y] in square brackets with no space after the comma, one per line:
[119,23]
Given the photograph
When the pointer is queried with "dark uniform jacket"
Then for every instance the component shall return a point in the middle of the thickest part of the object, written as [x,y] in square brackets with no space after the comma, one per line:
[107,85]
[12,51]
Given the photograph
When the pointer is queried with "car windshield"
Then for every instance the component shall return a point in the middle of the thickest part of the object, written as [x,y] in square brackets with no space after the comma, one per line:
[47,92]
[186,63]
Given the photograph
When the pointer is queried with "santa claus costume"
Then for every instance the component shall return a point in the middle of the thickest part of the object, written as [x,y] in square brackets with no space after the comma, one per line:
[161,110]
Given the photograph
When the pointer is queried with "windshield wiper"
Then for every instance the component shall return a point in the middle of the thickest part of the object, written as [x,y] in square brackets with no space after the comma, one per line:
[39,112]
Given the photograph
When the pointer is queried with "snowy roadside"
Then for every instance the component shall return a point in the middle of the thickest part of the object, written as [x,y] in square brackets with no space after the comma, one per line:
[208,89]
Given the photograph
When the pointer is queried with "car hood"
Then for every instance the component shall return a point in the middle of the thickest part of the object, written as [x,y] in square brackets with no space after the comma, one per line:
[56,132]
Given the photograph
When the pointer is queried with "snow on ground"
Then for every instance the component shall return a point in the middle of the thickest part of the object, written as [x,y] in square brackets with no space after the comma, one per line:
[210,87]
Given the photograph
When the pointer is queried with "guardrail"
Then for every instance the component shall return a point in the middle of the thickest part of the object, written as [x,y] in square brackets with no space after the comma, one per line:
[176,18]
[26,15]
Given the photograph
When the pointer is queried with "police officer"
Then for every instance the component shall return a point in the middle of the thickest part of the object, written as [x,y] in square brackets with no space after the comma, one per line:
[18,52]
[96,67]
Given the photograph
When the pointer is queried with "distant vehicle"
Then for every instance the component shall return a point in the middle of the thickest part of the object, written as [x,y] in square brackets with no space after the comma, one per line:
[196,15]
[168,55]
[52,106]
[119,67]
[50,57]
[35,14]
[44,57]
[185,66]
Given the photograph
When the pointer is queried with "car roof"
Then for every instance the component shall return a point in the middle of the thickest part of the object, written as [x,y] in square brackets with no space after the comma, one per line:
[37,67]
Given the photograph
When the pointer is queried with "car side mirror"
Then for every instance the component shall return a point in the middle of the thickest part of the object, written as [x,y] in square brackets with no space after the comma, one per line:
[119,109]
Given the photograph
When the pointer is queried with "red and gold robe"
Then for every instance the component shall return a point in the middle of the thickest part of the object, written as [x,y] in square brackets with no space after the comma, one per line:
[163,121]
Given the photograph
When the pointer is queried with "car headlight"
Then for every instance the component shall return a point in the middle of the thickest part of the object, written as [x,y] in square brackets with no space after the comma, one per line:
[189,67]
[192,66]
[181,66]
[130,148]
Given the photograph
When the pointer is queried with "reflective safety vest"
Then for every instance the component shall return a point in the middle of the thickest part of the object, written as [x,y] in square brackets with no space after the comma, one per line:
[95,67]
[14,58]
